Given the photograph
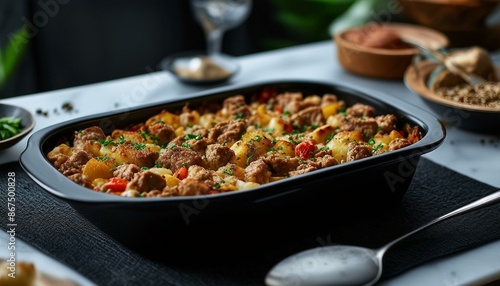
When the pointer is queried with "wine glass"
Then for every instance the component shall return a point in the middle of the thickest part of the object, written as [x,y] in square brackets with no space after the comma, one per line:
[212,67]
[218,16]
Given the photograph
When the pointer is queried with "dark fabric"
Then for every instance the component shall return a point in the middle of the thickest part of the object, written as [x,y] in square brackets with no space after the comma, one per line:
[59,231]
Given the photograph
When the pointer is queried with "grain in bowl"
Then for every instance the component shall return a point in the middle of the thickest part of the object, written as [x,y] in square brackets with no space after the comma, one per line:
[484,94]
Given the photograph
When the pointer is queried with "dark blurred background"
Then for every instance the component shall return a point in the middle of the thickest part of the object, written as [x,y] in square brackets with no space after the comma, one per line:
[69,43]
[74,42]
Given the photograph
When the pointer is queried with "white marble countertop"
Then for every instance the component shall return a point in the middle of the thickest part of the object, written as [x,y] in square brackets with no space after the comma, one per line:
[472,154]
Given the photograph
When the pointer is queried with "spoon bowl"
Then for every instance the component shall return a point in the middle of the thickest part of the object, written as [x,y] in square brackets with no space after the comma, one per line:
[348,265]
[321,265]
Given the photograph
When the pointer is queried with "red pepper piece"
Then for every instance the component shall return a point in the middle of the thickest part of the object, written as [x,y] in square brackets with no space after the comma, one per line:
[305,150]
[181,173]
[116,184]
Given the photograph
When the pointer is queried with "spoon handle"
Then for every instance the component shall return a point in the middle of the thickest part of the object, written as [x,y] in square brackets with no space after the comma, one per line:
[485,201]
[471,78]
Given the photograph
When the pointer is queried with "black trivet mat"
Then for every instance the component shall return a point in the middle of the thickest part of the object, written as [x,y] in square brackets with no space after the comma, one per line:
[249,250]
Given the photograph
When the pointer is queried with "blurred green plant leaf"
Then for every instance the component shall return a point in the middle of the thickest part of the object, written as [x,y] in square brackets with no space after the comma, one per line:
[357,14]
[308,20]
[12,54]
[299,23]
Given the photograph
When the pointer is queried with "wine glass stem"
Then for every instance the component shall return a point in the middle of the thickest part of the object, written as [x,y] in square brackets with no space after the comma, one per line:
[214,42]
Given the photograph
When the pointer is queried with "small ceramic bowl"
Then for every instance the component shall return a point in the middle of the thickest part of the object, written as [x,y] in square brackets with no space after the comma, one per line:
[196,68]
[27,123]
[465,116]
[450,15]
[385,63]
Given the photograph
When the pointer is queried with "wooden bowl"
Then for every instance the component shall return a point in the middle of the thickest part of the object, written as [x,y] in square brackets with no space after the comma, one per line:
[461,115]
[385,63]
[450,15]
[464,22]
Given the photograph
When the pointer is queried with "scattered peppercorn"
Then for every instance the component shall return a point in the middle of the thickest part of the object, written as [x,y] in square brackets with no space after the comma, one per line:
[41,112]
[66,107]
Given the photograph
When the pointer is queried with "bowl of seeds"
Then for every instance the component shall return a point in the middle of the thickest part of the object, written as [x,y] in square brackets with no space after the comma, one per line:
[470,107]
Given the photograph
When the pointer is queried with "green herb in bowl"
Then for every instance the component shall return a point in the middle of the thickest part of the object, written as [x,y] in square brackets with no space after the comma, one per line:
[9,126]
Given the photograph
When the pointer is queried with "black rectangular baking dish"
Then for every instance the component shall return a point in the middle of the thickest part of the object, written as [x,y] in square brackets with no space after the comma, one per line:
[378,181]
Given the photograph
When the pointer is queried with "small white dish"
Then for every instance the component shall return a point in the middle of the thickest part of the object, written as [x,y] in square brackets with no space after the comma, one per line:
[196,68]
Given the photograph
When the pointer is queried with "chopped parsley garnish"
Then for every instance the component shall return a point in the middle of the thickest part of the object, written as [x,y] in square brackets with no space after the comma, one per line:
[144,134]
[256,138]
[192,136]
[376,147]
[102,158]
[273,149]
[139,146]
[330,137]
[268,130]
[370,141]
[326,148]
[229,171]
[121,139]
[298,129]
[154,139]
[186,145]
[105,142]
[249,158]
[296,139]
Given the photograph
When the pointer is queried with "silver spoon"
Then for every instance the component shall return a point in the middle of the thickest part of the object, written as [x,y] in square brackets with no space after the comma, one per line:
[442,57]
[347,265]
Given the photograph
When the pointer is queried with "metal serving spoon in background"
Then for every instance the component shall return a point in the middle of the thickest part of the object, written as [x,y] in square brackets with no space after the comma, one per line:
[348,265]
[443,58]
